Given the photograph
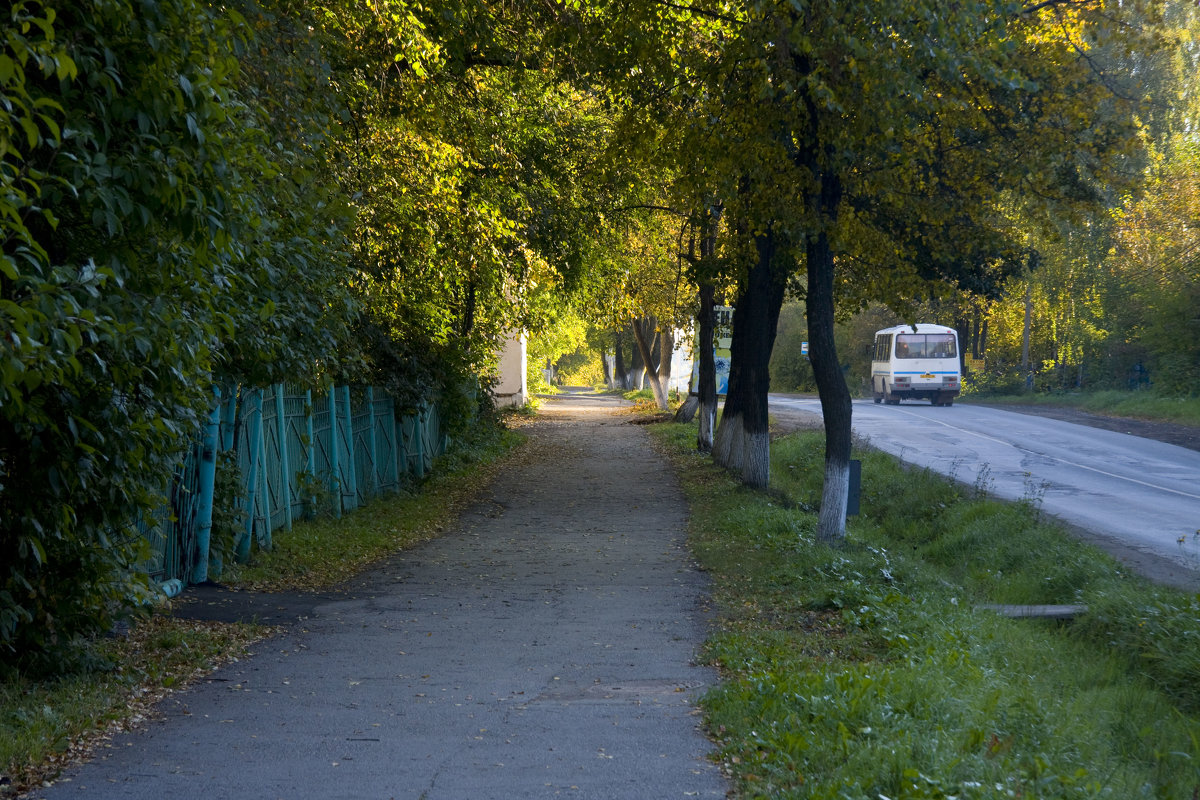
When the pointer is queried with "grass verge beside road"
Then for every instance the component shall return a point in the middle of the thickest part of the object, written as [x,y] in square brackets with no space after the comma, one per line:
[871,670]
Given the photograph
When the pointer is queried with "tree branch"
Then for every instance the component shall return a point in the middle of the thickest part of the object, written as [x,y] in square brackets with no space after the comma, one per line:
[701,12]
[1036,7]
[640,207]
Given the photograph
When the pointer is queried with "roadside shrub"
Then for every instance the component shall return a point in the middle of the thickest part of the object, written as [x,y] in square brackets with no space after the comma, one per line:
[156,237]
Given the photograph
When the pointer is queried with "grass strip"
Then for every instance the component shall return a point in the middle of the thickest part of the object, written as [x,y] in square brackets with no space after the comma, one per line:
[870,670]
[325,551]
[47,724]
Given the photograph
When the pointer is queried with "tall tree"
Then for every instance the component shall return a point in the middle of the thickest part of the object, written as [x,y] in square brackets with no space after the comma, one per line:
[880,145]
[462,152]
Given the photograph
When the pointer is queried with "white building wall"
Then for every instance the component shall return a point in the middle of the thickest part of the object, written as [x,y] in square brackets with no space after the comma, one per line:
[512,389]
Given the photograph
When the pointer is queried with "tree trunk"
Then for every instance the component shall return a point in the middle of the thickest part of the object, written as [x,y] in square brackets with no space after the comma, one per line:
[620,376]
[666,349]
[831,381]
[687,409]
[743,439]
[706,391]
[728,439]
[645,341]
[637,363]
[963,325]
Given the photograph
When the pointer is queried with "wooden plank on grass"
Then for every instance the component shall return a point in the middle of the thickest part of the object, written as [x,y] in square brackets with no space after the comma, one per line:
[1039,612]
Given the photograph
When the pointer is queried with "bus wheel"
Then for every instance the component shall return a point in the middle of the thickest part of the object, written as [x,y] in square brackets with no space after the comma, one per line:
[890,398]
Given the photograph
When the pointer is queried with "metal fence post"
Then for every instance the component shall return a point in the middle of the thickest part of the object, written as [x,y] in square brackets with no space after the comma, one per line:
[335,483]
[402,444]
[419,443]
[208,475]
[285,473]
[254,449]
[374,487]
[352,467]
[311,444]
[264,488]
[397,432]
[229,420]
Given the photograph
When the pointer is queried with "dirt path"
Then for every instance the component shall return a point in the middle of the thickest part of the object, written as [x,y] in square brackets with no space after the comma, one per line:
[544,647]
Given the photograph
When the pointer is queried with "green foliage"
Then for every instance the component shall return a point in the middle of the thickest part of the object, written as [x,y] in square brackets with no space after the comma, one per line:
[566,333]
[462,159]
[582,368]
[316,495]
[791,371]
[156,238]
[102,316]
[1111,301]
[228,513]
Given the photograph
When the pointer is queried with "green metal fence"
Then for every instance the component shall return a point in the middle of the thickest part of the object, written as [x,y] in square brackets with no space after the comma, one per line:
[297,452]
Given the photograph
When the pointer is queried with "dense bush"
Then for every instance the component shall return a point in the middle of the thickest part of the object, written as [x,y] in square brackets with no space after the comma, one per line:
[147,251]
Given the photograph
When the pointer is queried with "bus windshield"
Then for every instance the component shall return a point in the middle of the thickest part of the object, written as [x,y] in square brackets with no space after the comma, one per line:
[925,345]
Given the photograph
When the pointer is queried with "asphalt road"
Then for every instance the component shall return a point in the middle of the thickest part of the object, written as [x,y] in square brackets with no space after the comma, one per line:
[1138,498]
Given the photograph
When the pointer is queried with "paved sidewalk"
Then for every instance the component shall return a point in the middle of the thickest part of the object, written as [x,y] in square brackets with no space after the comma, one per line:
[543,648]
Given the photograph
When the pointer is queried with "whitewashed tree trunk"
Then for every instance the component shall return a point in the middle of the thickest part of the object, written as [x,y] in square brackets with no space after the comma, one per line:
[708,424]
[835,496]
[731,438]
[836,408]
[659,387]
[666,348]
[756,459]
[729,429]
[657,375]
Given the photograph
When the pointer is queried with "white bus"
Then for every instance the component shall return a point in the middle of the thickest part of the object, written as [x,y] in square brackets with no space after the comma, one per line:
[919,362]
